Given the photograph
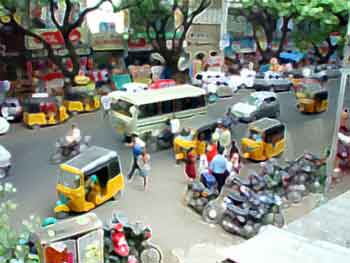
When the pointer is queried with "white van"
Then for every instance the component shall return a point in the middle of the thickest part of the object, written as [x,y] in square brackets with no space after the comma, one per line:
[147,112]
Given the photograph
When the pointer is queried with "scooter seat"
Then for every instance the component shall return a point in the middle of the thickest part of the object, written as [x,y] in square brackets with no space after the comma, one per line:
[242,181]
[208,180]
[236,197]
[237,210]
[197,187]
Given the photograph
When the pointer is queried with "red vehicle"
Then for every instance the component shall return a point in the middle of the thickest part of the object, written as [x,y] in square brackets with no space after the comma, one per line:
[162,83]
[120,245]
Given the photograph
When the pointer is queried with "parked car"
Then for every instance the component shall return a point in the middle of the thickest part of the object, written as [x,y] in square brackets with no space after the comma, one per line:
[11,109]
[4,126]
[272,81]
[332,70]
[245,79]
[256,106]
[134,87]
[215,83]
[5,161]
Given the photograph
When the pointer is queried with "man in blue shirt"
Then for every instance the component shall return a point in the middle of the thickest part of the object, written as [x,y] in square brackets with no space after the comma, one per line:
[137,149]
[218,168]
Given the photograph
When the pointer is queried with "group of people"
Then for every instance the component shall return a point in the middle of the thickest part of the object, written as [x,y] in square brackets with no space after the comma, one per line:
[220,159]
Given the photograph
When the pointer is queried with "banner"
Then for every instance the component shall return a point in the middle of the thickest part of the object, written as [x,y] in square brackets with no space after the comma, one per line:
[107,41]
[53,37]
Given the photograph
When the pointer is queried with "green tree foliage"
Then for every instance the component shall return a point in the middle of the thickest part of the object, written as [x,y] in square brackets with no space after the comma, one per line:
[156,18]
[263,15]
[13,244]
[11,8]
[316,23]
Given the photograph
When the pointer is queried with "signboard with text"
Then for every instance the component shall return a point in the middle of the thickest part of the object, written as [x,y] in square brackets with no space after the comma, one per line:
[107,41]
[53,37]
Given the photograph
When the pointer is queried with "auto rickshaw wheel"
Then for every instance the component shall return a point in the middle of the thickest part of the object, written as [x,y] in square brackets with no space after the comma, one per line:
[61,215]
[151,254]
[74,113]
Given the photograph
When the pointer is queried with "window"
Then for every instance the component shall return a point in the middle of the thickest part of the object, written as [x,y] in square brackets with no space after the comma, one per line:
[167,106]
[148,110]
[69,180]
[114,168]
[198,102]
[122,107]
[270,100]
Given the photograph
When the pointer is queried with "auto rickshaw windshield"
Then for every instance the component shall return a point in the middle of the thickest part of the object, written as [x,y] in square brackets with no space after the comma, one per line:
[254,135]
[69,180]
[253,101]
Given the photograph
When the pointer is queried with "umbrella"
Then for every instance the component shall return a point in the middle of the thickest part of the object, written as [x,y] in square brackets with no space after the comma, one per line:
[294,56]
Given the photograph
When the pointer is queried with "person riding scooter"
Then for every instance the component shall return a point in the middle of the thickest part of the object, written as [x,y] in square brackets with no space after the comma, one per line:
[73,138]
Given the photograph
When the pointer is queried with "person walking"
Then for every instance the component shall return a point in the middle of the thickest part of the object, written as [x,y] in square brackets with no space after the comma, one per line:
[212,150]
[138,147]
[218,168]
[234,149]
[144,164]
[106,104]
[225,140]
[234,165]
[190,167]
[174,127]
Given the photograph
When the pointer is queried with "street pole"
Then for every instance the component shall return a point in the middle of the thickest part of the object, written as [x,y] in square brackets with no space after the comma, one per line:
[345,73]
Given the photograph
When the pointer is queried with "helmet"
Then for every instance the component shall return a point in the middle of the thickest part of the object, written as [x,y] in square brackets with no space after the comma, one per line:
[118,227]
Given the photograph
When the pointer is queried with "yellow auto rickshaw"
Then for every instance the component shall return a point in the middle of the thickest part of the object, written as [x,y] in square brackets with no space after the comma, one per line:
[196,140]
[312,98]
[82,97]
[88,180]
[42,110]
[266,139]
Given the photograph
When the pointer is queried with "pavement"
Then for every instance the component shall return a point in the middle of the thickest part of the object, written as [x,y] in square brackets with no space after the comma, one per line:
[176,228]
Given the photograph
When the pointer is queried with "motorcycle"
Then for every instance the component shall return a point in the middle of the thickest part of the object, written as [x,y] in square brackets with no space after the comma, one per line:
[247,211]
[200,193]
[64,151]
[126,243]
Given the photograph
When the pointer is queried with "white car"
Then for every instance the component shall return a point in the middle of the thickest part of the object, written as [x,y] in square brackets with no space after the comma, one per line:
[134,87]
[272,81]
[245,79]
[5,161]
[257,105]
[4,126]
[215,82]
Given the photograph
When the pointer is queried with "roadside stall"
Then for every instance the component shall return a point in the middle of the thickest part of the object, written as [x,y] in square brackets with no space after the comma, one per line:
[75,240]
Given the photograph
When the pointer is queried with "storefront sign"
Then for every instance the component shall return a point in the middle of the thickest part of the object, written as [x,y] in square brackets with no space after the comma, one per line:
[53,37]
[139,44]
[107,41]
[81,51]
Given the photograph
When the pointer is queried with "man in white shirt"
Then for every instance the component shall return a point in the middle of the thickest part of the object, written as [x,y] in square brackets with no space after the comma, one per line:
[106,104]
[73,136]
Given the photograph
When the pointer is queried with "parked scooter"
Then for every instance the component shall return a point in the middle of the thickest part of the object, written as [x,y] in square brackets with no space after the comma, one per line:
[200,193]
[64,151]
[126,243]
[247,211]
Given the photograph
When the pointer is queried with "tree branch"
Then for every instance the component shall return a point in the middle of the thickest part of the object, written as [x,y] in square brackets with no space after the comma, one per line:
[284,33]
[67,12]
[52,14]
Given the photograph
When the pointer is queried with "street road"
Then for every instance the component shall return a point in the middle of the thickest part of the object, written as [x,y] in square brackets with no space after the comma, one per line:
[161,207]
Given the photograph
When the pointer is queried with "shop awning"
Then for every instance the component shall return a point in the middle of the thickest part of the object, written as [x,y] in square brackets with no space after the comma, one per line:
[294,56]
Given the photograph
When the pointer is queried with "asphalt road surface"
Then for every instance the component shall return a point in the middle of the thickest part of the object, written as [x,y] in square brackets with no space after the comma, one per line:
[174,225]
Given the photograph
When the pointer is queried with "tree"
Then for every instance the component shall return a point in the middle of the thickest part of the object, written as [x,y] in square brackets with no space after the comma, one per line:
[14,245]
[156,18]
[13,8]
[264,14]
[316,24]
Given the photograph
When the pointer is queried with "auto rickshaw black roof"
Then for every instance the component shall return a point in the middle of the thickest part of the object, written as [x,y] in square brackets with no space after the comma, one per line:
[266,124]
[91,159]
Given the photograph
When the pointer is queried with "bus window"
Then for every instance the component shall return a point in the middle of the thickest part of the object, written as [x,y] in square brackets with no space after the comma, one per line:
[122,107]
[183,104]
[198,102]
[148,110]
[167,106]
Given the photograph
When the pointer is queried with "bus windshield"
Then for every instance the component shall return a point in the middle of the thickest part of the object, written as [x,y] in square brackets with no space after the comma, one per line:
[122,107]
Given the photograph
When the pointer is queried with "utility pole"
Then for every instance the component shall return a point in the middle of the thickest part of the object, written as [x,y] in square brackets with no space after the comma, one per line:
[345,73]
